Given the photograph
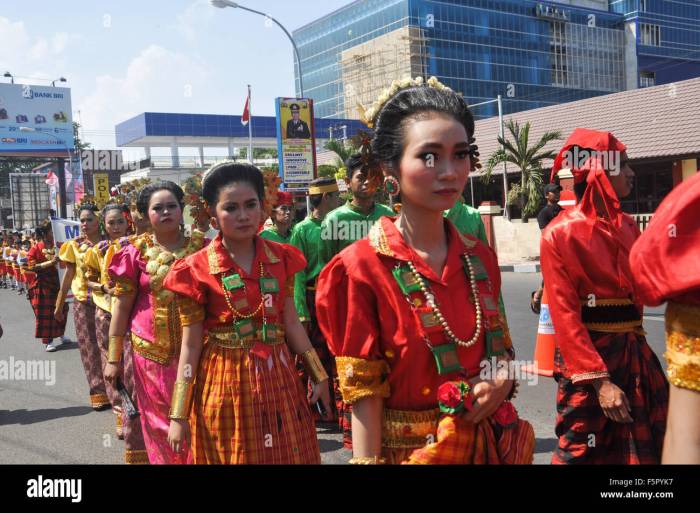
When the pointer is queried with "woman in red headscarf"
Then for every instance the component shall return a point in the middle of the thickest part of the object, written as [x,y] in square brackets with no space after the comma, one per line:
[612,398]
[666,263]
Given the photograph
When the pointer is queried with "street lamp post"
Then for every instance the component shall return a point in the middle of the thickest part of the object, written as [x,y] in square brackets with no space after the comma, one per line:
[222,4]
[62,79]
[61,170]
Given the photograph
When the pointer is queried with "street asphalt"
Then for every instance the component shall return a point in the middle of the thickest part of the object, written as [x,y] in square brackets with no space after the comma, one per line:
[49,420]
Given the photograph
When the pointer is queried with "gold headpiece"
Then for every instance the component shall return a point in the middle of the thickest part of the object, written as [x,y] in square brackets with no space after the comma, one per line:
[369,116]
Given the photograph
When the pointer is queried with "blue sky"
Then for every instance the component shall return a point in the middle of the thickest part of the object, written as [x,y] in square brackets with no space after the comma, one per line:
[124,57]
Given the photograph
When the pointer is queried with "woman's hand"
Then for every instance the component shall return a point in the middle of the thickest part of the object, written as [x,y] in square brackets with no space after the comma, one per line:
[320,391]
[178,434]
[613,401]
[489,395]
[58,314]
[111,373]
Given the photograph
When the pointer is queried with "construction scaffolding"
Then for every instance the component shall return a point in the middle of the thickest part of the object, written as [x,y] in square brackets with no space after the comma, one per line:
[30,200]
[368,68]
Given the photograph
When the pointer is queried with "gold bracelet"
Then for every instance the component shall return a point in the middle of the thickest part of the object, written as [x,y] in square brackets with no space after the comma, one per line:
[116,347]
[367,460]
[182,400]
[313,366]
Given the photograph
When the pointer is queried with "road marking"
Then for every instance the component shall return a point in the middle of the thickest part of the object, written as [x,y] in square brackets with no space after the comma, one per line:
[648,318]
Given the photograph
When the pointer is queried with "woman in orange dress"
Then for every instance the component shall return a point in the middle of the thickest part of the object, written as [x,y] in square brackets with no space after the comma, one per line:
[240,333]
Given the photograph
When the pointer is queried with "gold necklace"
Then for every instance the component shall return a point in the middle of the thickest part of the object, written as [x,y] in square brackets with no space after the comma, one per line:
[430,300]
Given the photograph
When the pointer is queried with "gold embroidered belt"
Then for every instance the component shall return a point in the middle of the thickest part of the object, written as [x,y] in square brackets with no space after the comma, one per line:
[409,429]
[683,345]
[227,337]
[617,315]
[157,352]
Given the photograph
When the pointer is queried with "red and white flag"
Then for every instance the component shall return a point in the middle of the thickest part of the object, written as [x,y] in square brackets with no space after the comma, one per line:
[245,118]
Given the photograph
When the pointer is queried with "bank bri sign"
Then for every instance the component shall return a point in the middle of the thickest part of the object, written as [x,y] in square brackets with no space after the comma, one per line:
[47,110]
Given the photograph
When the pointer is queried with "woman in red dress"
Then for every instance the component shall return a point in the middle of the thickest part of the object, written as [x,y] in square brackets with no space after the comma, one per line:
[415,304]
[666,263]
[240,331]
[613,395]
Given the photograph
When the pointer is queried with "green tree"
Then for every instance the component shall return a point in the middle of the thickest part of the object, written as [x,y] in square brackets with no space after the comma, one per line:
[80,145]
[341,149]
[528,194]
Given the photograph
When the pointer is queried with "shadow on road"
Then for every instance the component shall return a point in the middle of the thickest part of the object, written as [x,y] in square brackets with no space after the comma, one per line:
[23,417]
[329,445]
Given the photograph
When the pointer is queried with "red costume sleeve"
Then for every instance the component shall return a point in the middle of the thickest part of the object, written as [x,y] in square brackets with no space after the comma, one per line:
[666,258]
[182,280]
[580,355]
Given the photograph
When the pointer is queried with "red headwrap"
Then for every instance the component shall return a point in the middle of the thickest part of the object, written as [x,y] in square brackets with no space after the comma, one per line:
[592,170]
[284,198]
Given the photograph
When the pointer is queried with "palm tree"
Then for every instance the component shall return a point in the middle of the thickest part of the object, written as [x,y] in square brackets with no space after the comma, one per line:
[341,149]
[528,159]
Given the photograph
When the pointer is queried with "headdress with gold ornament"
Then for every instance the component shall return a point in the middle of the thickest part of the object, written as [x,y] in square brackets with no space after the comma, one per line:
[192,187]
[271,182]
[369,117]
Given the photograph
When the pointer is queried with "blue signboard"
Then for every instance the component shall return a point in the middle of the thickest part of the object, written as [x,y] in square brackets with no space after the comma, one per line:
[45,111]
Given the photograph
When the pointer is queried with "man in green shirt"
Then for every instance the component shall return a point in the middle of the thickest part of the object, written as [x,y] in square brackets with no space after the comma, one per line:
[282,217]
[306,235]
[352,221]
[467,220]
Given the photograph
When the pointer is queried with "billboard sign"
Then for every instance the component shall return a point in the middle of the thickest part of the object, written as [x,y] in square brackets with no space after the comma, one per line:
[46,110]
[296,144]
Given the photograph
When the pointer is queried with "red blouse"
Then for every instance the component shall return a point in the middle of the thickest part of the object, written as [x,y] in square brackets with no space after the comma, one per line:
[199,276]
[666,258]
[584,259]
[364,315]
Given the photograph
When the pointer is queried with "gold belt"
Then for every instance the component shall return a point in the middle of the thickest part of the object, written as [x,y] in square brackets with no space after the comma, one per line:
[683,345]
[409,429]
[154,351]
[227,337]
[614,315]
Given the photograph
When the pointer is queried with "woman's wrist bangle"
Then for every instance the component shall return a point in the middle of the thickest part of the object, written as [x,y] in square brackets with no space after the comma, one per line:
[182,400]
[367,460]
[116,347]
[313,366]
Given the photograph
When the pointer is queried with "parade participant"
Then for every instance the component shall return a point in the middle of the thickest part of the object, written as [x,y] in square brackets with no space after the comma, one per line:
[43,291]
[665,261]
[14,253]
[340,228]
[414,305]
[3,245]
[72,254]
[150,312]
[306,235]
[552,193]
[6,257]
[247,405]
[467,220]
[96,264]
[282,218]
[24,278]
[612,393]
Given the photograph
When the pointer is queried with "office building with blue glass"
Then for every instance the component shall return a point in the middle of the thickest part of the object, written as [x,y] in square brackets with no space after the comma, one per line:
[532,53]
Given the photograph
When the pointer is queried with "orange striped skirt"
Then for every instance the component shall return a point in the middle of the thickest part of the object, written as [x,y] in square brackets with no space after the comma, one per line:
[248,410]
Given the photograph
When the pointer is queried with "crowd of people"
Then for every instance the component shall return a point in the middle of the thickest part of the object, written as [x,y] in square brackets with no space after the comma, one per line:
[373,317]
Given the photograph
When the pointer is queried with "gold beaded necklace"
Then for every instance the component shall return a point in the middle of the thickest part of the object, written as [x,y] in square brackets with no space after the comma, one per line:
[430,300]
[235,312]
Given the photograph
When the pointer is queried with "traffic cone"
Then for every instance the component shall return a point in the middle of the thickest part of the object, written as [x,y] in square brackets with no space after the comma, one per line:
[544,346]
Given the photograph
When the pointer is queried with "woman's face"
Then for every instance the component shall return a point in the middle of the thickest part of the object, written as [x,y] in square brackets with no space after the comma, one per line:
[141,223]
[115,224]
[164,212]
[238,211]
[89,224]
[435,163]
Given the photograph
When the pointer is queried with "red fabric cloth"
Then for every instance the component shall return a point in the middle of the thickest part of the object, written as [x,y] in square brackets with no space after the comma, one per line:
[192,278]
[586,139]
[284,198]
[363,313]
[579,259]
[666,258]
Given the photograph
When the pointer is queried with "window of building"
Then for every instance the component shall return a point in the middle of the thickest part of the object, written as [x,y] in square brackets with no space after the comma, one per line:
[647,79]
[642,5]
[649,34]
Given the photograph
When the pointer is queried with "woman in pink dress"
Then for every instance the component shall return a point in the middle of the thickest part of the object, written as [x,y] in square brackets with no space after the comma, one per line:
[152,314]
